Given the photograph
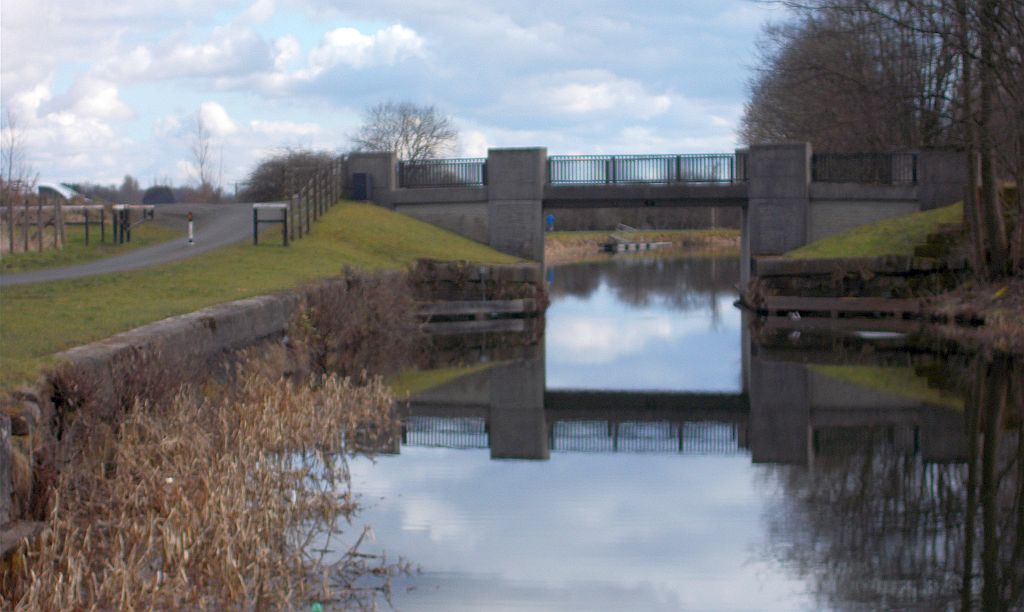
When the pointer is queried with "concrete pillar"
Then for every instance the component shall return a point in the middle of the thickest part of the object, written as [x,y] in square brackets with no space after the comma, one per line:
[518,424]
[941,178]
[779,200]
[515,187]
[383,170]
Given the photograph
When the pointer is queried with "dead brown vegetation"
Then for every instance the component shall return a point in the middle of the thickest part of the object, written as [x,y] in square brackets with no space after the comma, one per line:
[359,322]
[212,501]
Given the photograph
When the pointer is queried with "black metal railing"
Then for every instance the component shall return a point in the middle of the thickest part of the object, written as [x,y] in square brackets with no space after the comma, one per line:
[634,169]
[879,168]
[443,173]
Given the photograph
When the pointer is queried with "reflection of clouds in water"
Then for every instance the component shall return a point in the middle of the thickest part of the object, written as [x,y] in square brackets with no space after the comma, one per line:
[600,342]
[598,339]
[672,531]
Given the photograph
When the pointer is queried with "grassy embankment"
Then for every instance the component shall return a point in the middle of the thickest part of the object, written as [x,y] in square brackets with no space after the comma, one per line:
[565,247]
[999,304]
[40,320]
[75,250]
[901,382]
[896,236]
[411,382]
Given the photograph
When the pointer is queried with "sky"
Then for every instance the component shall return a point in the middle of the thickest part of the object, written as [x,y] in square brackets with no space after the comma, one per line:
[105,88]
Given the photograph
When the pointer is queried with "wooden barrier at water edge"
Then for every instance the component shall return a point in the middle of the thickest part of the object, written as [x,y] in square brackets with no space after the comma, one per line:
[464,298]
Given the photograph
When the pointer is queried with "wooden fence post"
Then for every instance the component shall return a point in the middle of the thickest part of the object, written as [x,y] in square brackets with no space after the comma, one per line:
[308,193]
[24,224]
[60,218]
[39,224]
[10,224]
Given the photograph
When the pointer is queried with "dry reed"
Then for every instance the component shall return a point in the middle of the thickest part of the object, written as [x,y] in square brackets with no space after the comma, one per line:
[229,499]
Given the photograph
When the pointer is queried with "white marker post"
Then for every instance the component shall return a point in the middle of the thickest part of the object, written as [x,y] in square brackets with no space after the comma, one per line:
[191,236]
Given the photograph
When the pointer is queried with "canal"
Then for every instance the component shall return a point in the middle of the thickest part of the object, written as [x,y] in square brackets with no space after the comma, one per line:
[659,451]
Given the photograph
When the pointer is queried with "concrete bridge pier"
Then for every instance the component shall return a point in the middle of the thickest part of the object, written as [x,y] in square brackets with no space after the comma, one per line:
[515,199]
[775,220]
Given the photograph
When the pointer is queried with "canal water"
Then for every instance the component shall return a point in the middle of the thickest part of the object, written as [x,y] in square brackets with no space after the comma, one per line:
[659,452]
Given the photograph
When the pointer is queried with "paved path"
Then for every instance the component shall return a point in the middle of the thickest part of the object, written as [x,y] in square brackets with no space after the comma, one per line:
[216,225]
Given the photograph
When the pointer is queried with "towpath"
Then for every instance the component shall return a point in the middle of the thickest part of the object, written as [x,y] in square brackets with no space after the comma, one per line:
[216,225]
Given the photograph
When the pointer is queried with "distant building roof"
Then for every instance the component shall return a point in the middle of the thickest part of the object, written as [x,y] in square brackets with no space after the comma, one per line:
[61,189]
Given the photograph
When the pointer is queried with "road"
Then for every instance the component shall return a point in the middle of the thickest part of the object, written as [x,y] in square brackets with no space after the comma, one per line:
[216,225]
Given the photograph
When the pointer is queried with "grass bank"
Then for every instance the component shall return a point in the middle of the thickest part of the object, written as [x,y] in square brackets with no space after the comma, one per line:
[42,319]
[901,382]
[411,382]
[896,236]
[567,247]
[75,250]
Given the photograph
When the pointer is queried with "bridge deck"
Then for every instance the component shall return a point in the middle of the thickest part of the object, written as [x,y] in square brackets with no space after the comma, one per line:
[631,196]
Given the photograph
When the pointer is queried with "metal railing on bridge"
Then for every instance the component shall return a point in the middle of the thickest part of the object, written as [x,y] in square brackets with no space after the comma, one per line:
[468,172]
[640,169]
[879,168]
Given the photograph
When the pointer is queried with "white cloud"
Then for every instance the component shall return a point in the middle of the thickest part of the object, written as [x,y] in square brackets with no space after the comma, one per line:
[473,143]
[98,98]
[286,50]
[216,119]
[283,128]
[584,92]
[259,11]
[230,51]
[349,46]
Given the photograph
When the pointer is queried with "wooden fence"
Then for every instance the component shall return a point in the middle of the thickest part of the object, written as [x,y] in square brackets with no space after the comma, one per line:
[322,191]
[29,222]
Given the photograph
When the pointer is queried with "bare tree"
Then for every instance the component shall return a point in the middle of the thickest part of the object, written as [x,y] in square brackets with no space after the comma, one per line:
[203,158]
[17,177]
[413,132]
[15,171]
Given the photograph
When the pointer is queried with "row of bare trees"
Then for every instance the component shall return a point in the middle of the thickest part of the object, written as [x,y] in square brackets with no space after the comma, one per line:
[876,75]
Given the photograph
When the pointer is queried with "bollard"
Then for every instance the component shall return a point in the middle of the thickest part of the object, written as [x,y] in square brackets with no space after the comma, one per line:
[191,235]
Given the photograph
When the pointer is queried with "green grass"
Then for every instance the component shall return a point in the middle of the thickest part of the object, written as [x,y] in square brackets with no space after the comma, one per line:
[901,382]
[896,236]
[411,382]
[39,320]
[75,250]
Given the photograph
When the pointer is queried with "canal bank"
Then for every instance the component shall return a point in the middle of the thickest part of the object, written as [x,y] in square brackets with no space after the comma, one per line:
[568,247]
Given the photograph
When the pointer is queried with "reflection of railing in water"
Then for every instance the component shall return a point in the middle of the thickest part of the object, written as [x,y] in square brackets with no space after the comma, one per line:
[445,432]
[691,438]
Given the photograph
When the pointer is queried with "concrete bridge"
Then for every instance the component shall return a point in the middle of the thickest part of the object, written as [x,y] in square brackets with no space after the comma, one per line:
[788,195]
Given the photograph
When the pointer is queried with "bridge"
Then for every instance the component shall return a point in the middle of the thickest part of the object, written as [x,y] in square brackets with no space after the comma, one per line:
[788,194]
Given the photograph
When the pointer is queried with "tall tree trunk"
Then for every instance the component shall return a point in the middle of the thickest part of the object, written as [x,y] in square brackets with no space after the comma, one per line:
[995,229]
[972,214]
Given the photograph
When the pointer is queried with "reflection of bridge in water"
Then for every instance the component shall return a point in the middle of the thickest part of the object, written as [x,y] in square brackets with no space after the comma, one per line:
[595,421]
[791,415]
